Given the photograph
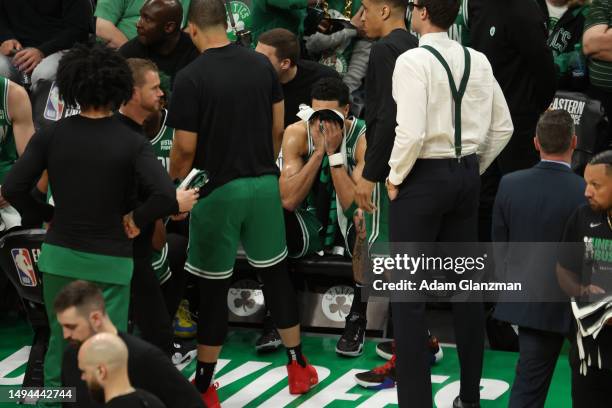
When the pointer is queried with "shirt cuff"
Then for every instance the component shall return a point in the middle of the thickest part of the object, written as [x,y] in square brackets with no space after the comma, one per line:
[395,178]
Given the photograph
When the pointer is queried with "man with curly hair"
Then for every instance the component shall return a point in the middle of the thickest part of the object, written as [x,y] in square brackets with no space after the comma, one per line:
[94,163]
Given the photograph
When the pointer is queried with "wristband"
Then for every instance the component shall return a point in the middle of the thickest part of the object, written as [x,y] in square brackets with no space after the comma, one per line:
[336,160]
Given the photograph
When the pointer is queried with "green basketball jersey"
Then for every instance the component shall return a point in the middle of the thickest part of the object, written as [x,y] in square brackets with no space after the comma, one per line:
[162,142]
[349,146]
[8,151]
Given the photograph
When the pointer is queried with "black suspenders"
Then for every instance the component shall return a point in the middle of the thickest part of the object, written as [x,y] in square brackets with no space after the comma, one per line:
[457,93]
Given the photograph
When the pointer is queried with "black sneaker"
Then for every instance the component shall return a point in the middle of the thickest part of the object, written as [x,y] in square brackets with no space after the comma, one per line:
[353,338]
[184,351]
[270,339]
[457,403]
[378,378]
[385,349]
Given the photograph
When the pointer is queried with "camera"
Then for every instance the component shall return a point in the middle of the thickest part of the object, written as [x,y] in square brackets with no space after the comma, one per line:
[244,38]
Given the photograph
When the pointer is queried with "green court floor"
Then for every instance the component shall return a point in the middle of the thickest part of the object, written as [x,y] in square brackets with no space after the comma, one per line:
[250,380]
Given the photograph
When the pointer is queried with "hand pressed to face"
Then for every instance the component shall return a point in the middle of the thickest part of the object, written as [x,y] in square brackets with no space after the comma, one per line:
[317,136]
[332,134]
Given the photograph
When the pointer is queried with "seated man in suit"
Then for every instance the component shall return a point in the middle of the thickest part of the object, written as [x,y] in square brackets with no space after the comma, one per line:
[533,205]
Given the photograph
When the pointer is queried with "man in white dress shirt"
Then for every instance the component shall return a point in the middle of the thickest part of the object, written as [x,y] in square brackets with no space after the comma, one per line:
[452,121]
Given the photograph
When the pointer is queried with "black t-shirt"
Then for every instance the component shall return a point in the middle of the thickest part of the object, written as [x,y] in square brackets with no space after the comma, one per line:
[299,89]
[129,122]
[94,166]
[149,369]
[380,107]
[594,256]
[169,65]
[226,97]
[136,399]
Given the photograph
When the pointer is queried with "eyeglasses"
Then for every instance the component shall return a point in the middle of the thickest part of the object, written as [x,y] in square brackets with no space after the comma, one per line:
[412,5]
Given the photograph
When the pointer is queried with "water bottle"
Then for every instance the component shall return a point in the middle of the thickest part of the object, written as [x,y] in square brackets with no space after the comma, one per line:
[578,69]
[26,80]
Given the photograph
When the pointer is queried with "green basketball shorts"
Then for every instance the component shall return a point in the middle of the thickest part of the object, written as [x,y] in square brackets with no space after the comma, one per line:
[245,210]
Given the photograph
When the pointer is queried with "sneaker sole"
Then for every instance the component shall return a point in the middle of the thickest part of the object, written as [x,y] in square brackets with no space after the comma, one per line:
[438,356]
[187,357]
[382,354]
[350,353]
[387,383]
[273,346]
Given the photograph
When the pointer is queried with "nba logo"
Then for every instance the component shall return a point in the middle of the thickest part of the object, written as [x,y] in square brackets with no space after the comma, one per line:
[24,265]
[55,105]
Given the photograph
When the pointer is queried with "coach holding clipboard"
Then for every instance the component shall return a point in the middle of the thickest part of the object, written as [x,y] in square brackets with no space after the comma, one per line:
[452,121]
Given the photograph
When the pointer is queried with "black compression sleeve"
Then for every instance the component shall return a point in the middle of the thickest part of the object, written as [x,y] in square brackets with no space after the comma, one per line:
[24,174]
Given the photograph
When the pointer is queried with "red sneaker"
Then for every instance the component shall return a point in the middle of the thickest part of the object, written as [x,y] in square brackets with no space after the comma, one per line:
[210,397]
[301,379]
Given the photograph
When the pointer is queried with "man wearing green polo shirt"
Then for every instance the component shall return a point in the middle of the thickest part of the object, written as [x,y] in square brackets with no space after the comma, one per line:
[597,46]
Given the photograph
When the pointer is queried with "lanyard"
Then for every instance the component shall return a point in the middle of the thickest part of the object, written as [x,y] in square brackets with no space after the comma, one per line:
[457,94]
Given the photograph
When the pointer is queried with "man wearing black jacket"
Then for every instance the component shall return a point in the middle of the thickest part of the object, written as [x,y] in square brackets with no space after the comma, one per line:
[512,34]
[542,326]
[82,313]
[33,33]
[381,108]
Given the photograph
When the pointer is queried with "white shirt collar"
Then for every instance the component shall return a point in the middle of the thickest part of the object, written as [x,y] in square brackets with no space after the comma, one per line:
[433,38]
[557,161]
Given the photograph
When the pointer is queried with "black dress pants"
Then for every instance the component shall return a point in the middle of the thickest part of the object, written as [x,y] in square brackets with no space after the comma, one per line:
[148,305]
[438,201]
[539,351]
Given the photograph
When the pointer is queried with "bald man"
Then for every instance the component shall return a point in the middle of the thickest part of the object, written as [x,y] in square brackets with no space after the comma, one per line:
[161,40]
[103,361]
[81,312]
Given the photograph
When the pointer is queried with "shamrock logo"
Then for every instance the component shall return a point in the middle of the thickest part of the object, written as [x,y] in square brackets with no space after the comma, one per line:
[336,303]
[244,301]
[341,306]
[245,298]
